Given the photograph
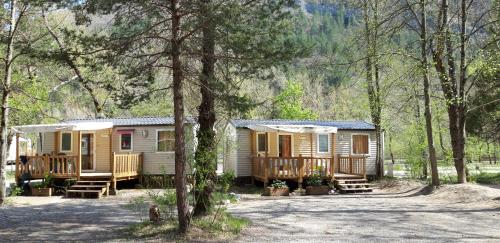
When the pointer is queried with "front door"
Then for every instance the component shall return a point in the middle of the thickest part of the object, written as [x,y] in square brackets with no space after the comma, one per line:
[87,151]
[285,146]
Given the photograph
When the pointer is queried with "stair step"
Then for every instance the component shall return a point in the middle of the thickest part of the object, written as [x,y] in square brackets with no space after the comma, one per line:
[88,186]
[355,184]
[352,180]
[356,190]
[84,193]
[92,182]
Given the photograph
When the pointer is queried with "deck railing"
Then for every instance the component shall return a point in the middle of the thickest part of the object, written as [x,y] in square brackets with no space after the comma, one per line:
[129,164]
[266,168]
[354,165]
[58,166]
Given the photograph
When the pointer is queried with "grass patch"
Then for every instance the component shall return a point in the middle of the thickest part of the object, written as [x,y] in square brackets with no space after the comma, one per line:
[216,226]
[488,178]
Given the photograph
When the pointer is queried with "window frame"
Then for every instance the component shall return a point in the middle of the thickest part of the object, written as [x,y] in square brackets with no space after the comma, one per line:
[156,141]
[329,143]
[257,142]
[352,143]
[61,142]
[131,142]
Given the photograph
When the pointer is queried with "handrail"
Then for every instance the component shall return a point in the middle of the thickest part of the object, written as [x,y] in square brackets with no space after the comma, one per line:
[130,164]
[55,165]
[267,168]
[354,165]
[299,167]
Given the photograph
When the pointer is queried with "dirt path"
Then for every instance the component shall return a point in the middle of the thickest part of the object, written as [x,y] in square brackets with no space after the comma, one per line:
[380,216]
[58,219]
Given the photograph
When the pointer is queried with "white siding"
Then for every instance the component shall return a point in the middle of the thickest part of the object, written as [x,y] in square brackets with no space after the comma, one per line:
[244,163]
[48,143]
[343,147]
[230,149]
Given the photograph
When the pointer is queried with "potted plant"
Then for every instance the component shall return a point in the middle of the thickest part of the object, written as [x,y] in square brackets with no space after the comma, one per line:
[43,189]
[315,185]
[277,188]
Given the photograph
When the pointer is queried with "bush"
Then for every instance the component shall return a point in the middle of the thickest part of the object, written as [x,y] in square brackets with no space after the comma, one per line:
[166,201]
[226,180]
[278,184]
[488,178]
[16,191]
[315,180]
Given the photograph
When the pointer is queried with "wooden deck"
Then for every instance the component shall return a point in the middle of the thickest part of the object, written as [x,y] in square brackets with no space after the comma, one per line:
[299,168]
[123,167]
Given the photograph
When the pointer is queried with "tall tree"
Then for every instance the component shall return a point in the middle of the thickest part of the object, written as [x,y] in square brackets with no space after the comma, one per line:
[372,72]
[239,41]
[424,63]
[6,90]
[452,58]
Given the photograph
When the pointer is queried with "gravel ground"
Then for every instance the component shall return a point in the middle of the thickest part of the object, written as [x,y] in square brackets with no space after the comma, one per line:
[41,219]
[385,216]
[395,213]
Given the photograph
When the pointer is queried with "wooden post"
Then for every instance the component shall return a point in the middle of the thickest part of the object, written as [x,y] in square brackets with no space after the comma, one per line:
[311,143]
[364,167]
[301,170]
[79,154]
[350,165]
[253,135]
[111,156]
[56,142]
[266,165]
[17,158]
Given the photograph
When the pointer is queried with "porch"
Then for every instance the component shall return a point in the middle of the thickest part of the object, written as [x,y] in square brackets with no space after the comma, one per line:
[123,167]
[266,169]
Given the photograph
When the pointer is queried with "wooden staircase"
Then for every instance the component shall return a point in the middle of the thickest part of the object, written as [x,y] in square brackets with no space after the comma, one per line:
[353,185]
[88,189]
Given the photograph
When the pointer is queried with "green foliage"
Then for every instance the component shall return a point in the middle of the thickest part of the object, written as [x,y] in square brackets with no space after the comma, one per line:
[47,182]
[166,201]
[226,180]
[278,184]
[222,222]
[486,178]
[315,180]
[16,191]
[289,103]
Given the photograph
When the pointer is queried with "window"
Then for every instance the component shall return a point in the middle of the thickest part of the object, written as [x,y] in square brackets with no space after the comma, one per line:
[323,143]
[126,142]
[66,145]
[360,144]
[165,141]
[261,142]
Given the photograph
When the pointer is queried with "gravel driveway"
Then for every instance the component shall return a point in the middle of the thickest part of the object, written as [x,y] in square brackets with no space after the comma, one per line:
[379,216]
[59,219]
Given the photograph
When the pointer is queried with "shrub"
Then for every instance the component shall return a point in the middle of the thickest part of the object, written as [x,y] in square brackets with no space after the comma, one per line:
[166,201]
[16,191]
[278,184]
[314,180]
[226,180]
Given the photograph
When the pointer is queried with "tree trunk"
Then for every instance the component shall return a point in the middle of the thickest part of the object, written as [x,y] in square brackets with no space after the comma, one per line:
[206,156]
[372,79]
[452,90]
[4,119]
[180,150]
[427,97]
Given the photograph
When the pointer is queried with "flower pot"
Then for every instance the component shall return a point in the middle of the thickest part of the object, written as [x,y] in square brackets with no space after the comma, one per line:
[271,191]
[317,190]
[42,192]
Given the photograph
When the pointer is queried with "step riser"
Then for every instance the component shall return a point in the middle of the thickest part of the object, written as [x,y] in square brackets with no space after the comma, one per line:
[88,189]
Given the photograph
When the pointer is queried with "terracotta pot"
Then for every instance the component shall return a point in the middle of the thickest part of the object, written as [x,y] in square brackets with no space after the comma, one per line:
[42,192]
[317,190]
[271,191]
